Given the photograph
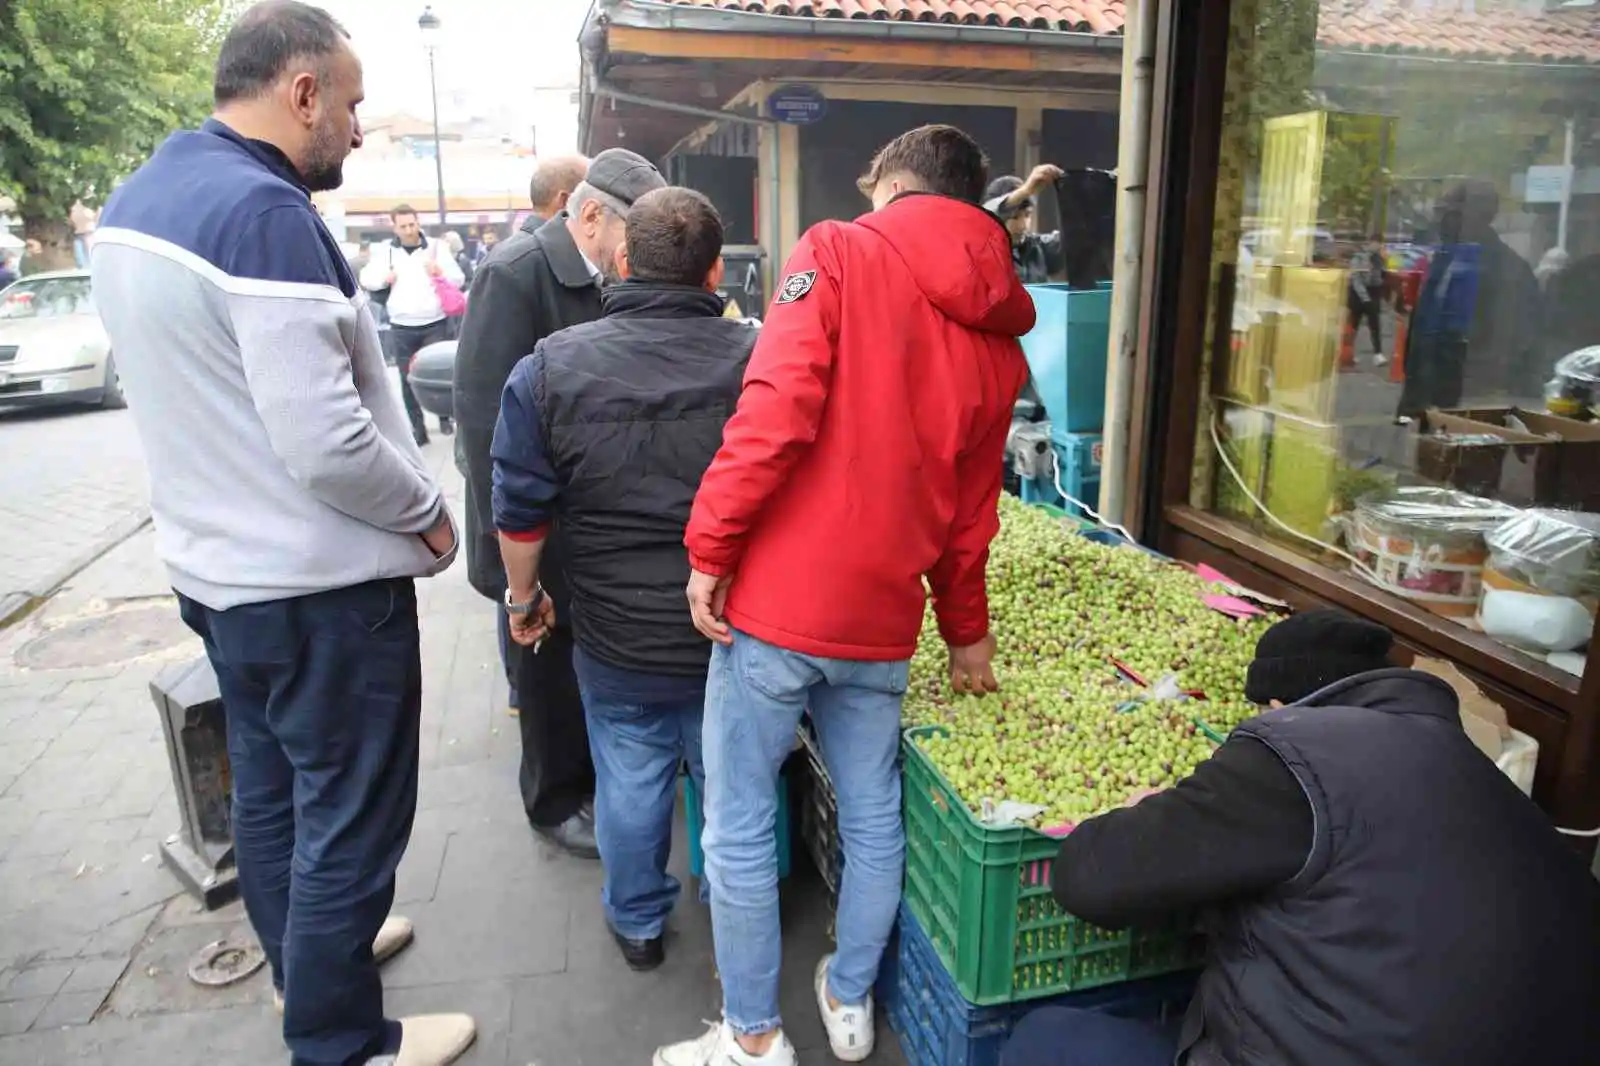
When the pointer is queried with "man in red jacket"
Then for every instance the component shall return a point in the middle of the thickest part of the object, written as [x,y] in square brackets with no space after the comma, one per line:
[865,458]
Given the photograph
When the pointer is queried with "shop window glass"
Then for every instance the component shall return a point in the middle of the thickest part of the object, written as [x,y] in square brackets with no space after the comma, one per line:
[1403,351]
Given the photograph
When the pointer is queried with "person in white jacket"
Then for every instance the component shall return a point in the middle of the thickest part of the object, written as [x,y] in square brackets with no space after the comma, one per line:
[401,275]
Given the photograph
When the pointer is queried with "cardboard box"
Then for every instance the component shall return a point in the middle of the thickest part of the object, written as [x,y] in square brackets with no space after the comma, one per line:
[1578,484]
[1483,719]
[1517,468]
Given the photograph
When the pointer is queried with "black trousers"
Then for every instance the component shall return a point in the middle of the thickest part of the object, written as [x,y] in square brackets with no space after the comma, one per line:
[557,775]
[406,342]
[1436,366]
[1371,312]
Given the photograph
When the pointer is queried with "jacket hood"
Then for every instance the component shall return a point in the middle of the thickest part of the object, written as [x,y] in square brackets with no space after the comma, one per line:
[1396,690]
[960,257]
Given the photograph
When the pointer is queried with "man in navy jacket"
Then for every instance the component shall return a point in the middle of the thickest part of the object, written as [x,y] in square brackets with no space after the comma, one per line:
[1374,890]
[605,431]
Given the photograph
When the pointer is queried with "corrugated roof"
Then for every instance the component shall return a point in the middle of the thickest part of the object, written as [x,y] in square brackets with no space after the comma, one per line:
[1480,29]
[1072,16]
[1488,29]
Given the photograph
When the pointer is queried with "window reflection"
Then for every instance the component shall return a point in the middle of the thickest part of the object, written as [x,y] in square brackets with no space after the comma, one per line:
[1407,258]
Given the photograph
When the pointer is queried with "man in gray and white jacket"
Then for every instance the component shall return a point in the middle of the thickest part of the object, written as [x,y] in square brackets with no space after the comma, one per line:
[401,274]
[292,510]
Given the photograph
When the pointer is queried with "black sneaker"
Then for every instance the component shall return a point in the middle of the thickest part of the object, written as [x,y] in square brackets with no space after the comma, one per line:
[640,955]
[447,426]
[420,436]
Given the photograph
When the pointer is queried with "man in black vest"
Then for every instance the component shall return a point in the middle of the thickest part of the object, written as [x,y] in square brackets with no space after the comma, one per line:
[1374,890]
[605,432]
[544,278]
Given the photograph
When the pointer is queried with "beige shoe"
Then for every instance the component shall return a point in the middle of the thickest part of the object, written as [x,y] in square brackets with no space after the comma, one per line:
[434,1039]
[395,936]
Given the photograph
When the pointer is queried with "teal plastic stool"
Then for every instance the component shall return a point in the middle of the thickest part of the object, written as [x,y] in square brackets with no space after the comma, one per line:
[696,823]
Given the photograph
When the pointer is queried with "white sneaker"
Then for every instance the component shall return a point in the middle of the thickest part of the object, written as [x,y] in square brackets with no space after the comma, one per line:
[719,1048]
[850,1029]
[394,936]
[1379,359]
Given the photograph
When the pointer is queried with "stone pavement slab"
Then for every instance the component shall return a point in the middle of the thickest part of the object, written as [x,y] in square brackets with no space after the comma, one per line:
[74,483]
[95,938]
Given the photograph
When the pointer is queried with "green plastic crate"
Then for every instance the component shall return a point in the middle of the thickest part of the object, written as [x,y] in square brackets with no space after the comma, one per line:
[983,897]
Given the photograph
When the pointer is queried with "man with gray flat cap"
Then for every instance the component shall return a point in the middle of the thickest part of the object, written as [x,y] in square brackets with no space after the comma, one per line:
[541,280]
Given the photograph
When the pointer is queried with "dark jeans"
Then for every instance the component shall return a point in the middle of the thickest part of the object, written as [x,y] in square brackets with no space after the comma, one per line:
[638,748]
[406,342]
[1369,311]
[323,695]
[1066,1036]
[557,776]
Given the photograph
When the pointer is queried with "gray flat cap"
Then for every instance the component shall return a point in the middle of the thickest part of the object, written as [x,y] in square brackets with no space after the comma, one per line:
[624,175]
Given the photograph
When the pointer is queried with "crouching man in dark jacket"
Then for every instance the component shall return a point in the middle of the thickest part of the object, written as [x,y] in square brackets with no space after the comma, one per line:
[606,431]
[1374,891]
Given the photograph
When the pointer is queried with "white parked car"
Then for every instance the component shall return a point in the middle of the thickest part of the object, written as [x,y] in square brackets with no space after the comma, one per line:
[53,349]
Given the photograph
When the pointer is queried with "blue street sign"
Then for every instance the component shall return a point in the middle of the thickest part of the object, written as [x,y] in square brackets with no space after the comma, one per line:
[798,105]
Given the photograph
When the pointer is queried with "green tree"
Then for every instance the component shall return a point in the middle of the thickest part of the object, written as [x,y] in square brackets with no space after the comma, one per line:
[88,89]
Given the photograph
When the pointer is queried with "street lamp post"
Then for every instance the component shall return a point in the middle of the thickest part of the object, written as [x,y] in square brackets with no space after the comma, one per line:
[429,24]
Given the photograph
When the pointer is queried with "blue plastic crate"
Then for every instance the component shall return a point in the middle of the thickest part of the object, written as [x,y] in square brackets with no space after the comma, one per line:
[937,1027]
[694,816]
[1067,354]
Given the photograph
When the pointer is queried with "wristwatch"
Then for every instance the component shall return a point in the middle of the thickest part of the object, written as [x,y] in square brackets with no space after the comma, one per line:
[522,610]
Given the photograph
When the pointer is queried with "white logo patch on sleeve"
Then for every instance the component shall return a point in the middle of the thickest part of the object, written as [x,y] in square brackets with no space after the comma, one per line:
[796,285]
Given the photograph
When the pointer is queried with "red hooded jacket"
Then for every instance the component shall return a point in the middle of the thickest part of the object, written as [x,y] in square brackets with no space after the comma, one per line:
[867,449]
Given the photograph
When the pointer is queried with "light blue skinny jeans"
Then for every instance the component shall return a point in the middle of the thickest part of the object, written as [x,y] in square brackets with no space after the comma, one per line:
[755,695]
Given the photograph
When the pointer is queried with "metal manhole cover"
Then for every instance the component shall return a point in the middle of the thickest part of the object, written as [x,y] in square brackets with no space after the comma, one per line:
[223,962]
[105,639]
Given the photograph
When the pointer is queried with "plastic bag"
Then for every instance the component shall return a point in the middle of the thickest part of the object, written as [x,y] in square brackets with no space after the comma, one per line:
[1556,552]
[1416,511]
[1167,689]
[1574,388]
[1006,813]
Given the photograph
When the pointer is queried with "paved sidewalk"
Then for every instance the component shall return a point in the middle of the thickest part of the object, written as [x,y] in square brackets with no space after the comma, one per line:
[95,939]
[73,482]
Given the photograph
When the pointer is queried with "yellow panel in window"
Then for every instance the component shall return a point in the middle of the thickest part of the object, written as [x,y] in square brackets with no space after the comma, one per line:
[1302,475]
[1309,325]
[1245,433]
[1291,176]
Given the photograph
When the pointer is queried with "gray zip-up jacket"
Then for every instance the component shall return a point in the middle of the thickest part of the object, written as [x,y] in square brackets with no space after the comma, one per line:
[281,463]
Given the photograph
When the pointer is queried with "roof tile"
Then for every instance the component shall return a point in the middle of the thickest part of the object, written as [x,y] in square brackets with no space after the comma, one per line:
[1500,29]
[1082,16]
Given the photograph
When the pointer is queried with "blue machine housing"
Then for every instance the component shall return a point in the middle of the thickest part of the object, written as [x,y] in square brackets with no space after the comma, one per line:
[1066,352]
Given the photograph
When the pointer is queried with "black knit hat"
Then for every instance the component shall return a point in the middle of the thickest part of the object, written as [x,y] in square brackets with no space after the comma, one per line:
[1311,650]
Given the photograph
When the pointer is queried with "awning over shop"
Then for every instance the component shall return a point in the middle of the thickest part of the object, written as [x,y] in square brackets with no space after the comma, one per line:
[700,54]
[699,57]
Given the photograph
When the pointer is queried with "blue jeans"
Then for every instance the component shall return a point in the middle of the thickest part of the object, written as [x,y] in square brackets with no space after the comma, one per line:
[755,694]
[323,696]
[637,748]
[1065,1036]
